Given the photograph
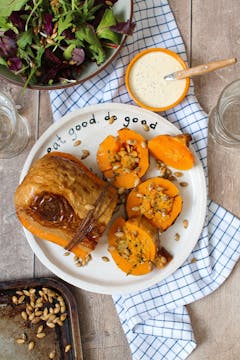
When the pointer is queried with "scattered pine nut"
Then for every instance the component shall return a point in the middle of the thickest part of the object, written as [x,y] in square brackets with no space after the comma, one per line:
[52,354]
[50,324]
[15,300]
[67,253]
[85,154]
[105,259]
[20,341]
[178,174]
[177,237]
[36,320]
[19,292]
[185,223]
[40,329]
[21,299]
[146,127]
[41,335]
[77,143]
[111,120]
[24,315]
[24,336]
[31,345]
[67,348]
[183,183]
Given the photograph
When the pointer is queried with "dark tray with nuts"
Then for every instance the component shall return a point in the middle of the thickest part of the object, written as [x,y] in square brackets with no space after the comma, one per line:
[38,320]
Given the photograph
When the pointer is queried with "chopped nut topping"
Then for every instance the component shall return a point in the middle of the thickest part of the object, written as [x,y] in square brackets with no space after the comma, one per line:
[89,207]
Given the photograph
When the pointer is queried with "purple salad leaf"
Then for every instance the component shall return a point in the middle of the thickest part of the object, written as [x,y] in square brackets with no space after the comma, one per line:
[66,74]
[126,27]
[78,56]
[17,20]
[47,24]
[11,34]
[51,59]
[49,74]
[68,34]
[15,63]
[8,47]
[53,73]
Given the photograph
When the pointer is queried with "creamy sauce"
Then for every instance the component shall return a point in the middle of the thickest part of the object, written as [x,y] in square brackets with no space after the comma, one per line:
[146,80]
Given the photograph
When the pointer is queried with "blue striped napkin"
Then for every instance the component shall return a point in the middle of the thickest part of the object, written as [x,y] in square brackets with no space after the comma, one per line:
[155,320]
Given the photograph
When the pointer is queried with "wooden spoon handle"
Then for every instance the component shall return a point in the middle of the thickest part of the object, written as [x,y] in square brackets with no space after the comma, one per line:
[205,68]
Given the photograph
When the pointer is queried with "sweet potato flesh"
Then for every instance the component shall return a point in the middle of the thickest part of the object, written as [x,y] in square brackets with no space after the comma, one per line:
[158,200]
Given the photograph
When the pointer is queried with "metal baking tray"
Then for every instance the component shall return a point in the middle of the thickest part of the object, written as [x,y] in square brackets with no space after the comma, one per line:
[13,326]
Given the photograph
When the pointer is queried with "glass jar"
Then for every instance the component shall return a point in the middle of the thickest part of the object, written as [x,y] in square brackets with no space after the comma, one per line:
[224,119]
[14,128]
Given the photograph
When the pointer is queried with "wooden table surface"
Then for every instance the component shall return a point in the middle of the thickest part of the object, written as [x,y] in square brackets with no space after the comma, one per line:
[211,31]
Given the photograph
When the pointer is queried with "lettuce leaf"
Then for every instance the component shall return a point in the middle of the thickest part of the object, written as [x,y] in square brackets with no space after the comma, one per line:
[103,29]
[87,34]
[7,6]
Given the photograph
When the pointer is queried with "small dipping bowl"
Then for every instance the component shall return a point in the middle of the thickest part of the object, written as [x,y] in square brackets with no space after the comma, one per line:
[145,79]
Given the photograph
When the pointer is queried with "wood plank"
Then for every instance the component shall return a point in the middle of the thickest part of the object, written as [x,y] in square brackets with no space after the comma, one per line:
[216,318]
[214,40]
[215,322]
[15,249]
[182,14]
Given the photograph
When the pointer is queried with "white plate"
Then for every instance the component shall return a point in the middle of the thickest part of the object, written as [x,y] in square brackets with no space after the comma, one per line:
[91,126]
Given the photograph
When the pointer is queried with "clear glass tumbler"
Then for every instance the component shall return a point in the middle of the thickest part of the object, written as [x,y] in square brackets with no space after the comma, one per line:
[14,129]
[224,119]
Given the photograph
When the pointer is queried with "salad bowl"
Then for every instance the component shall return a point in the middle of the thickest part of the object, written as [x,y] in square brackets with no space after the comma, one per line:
[92,61]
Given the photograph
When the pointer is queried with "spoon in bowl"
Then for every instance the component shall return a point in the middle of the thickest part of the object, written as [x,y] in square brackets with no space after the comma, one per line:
[200,69]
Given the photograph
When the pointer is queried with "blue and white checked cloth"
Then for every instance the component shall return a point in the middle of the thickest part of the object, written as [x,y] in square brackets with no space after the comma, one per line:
[155,320]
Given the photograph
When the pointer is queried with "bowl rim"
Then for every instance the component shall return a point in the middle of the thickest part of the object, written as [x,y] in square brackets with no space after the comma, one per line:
[136,58]
[78,82]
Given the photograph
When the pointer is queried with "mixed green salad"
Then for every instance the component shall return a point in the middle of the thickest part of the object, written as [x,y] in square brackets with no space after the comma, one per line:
[51,41]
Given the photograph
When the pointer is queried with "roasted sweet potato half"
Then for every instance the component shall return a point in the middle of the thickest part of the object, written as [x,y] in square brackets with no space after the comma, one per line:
[172,150]
[123,158]
[133,245]
[158,200]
